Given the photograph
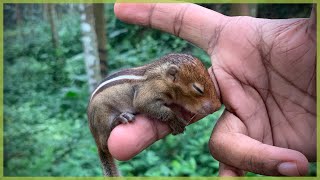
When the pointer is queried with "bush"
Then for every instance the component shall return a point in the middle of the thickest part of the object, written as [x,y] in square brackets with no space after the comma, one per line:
[45,124]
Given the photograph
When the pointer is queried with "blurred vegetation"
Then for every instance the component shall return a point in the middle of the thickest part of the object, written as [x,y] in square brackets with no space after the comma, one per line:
[45,125]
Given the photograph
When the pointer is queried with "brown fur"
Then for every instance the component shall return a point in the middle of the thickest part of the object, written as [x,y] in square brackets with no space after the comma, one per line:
[167,82]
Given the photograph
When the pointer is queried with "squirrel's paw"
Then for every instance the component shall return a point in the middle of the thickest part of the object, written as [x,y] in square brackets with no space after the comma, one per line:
[177,127]
[126,117]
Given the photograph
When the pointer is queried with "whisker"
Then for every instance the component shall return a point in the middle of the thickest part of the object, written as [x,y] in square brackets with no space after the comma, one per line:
[191,119]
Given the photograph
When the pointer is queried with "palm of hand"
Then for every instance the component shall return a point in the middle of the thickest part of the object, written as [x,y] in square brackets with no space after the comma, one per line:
[266,77]
[265,70]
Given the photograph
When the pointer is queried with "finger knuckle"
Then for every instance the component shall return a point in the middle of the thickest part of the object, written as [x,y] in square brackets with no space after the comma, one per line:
[178,21]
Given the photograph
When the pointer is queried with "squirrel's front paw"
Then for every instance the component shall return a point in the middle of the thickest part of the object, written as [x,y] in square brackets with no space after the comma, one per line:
[126,117]
[177,126]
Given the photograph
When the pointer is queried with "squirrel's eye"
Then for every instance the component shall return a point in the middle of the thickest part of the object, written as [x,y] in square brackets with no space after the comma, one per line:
[197,88]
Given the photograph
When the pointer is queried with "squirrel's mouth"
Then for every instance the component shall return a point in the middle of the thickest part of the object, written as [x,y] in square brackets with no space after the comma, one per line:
[183,113]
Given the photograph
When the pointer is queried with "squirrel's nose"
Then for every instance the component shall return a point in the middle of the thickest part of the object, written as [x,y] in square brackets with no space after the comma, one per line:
[208,107]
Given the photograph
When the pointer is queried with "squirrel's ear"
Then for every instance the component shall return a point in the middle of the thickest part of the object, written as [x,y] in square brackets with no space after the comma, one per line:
[172,72]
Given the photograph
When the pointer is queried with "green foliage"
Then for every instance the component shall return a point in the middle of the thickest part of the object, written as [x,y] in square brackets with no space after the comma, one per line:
[282,11]
[45,131]
[182,155]
[132,45]
[45,123]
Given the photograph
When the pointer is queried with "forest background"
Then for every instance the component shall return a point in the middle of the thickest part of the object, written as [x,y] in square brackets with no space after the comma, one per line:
[46,88]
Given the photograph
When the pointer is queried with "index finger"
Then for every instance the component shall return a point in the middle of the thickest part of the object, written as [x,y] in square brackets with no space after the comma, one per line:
[127,140]
[191,22]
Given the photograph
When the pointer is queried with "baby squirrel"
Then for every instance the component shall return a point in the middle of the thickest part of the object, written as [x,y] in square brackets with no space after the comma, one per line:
[173,89]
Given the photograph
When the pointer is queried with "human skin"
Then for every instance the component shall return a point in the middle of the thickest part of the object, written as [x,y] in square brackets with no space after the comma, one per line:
[265,73]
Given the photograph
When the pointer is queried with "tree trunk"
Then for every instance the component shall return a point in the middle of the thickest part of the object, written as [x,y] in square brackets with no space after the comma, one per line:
[18,15]
[253,10]
[71,8]
[45,11]
[240,10]
[52,17]
[58,66]
[19,22]
[243,10]
[89,41]
[98,10]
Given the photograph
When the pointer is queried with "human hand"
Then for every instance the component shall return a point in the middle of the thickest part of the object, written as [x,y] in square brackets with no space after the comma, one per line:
[265,71]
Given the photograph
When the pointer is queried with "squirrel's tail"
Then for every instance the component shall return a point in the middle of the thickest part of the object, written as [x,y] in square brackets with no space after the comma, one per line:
[108,164]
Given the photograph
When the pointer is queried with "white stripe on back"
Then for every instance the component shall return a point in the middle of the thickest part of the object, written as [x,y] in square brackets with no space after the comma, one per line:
[123,77]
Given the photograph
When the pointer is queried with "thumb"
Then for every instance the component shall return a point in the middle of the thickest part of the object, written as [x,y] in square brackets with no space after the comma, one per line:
[238,150]
[226,170]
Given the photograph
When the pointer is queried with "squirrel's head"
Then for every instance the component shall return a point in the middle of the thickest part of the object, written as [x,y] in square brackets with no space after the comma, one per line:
[194,91]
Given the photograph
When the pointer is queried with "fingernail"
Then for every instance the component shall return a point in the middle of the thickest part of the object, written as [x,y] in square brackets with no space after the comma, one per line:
[288,169]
